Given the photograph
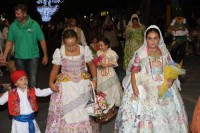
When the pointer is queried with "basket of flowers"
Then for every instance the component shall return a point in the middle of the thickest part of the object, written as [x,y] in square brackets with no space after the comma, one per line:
[102,109]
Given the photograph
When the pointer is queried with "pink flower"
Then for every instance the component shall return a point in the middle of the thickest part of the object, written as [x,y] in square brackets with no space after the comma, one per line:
[101,94]
[135,68]
[137,59]
[97,60]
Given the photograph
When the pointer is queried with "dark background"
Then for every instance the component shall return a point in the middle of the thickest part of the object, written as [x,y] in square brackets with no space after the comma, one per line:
[74,8]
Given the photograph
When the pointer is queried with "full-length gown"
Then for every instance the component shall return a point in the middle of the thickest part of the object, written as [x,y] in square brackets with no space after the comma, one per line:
[134,40]
[150,113]
[67,113]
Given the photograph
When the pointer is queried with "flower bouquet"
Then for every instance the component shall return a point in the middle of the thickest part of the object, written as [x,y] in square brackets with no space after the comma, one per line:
[171,71]
[97,60]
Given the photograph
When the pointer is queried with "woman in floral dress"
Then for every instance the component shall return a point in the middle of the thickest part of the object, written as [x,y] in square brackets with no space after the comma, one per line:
[134,35]
[67,113]
[142,109]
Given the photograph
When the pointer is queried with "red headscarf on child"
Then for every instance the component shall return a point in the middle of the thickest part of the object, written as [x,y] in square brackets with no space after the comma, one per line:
[16,75]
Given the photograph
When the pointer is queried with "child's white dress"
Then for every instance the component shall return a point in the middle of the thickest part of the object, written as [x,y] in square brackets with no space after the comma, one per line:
[107,79]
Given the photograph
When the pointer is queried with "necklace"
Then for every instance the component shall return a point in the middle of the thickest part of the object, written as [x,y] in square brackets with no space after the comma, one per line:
[156,60]
[154,52]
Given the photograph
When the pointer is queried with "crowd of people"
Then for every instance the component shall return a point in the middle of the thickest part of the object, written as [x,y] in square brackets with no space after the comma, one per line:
[89,59]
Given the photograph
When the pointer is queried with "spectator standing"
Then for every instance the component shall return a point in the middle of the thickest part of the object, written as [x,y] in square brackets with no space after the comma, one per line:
[25,33]
[79,32]
[180,35]
[108,31]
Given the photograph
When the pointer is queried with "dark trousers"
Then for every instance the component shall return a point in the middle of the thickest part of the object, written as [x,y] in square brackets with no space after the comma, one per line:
[31,68]
[178,52]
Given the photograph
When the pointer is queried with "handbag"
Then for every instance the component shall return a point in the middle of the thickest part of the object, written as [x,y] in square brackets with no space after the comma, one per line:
[101,108]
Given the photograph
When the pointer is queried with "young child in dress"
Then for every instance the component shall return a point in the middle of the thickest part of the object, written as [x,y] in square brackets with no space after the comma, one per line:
[107,79]
[22,103]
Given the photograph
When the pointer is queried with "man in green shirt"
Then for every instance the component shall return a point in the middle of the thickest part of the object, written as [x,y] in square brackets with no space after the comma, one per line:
[24,33]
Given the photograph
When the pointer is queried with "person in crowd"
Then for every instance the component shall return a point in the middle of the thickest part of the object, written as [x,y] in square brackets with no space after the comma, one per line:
[94,47]
[92,29]
[134,35]
[121,27]
[109,31]
[107,79]
[22,103]
[1,43]
[192,21]
[142,108]
[25,33]
[180,35]
[10,57]
[72,87]
[81,37]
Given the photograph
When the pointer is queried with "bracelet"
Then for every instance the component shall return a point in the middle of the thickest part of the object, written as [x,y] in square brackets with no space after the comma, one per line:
[94,78]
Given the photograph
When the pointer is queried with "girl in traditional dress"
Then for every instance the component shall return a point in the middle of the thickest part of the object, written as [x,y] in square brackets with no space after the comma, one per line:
[134,35]
[67,113]
[142,109]
[107,79]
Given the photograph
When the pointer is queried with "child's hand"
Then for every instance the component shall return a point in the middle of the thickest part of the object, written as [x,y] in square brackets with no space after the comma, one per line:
[54,87]
[170,82]
[98,64]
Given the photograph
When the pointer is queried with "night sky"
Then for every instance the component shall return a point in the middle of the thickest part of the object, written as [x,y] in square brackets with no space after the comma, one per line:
[68,8]
[74,8]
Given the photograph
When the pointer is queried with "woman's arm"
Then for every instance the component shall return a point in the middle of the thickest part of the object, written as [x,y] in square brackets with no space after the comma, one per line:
[93,71]
[133,83]
[52,78]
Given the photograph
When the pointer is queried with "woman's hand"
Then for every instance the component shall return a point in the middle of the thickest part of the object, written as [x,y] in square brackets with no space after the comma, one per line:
[94,83]
[170,82]
[54,87]
[135,93]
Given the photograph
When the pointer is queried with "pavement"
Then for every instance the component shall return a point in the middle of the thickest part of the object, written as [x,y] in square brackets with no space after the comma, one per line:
[190,91]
